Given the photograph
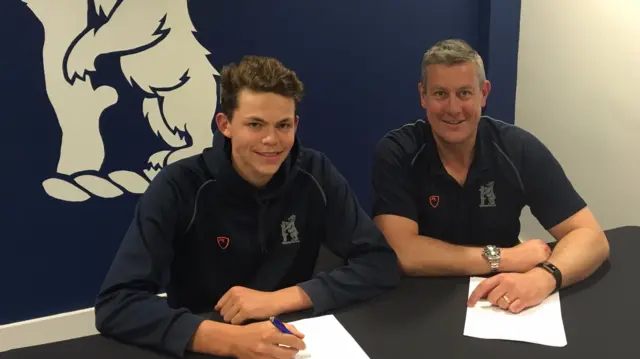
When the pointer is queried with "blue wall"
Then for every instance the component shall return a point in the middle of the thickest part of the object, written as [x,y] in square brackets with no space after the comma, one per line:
[359,61]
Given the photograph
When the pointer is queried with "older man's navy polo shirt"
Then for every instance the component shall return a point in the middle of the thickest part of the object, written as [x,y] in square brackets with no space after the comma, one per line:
[511,169]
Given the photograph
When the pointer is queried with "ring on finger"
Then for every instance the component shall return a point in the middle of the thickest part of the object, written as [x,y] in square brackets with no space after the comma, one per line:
[506,299]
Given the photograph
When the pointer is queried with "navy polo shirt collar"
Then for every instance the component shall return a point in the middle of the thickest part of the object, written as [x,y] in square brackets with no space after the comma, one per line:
[482,151]
[483,146]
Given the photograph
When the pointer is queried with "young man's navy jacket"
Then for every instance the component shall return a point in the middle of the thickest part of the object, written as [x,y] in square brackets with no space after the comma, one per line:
[200,229]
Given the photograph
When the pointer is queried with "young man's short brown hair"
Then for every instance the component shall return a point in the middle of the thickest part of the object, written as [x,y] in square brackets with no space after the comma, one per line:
[259,74]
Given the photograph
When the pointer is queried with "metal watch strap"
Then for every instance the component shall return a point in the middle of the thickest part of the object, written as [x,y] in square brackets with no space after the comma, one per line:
[491,253]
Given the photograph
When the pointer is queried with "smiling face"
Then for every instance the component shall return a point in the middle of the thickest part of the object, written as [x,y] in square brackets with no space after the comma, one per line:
[453,99]
[262,133]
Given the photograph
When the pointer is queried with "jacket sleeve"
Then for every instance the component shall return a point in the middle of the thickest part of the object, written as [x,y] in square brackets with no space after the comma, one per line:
[127,307]
[372,265]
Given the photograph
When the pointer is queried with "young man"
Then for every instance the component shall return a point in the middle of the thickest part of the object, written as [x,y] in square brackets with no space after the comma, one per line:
[237,230]
[448,193]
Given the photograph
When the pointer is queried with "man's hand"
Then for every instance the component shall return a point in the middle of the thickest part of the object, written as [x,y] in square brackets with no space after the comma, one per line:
[515,291]
[525,256]
[264,341]
[239,304]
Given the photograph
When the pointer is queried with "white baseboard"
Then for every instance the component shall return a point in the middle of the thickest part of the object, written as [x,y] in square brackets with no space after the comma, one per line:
[54,328]
[49,329]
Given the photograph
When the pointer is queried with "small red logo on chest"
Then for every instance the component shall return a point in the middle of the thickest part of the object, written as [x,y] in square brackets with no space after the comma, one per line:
[434,201]
[223,242]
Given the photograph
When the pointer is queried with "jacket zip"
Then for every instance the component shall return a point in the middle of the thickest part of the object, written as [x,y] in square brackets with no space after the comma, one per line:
[261,220]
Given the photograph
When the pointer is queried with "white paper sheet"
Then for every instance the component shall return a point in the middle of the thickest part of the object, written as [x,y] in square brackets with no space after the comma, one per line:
[326,338]
[539,325]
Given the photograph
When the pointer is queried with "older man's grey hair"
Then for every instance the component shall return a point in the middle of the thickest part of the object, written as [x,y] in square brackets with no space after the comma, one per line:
[452,52]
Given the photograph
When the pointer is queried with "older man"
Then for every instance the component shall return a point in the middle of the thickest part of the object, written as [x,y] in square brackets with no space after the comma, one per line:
[448,192]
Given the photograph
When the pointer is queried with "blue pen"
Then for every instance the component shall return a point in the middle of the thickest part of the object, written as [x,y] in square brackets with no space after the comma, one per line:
[278,324]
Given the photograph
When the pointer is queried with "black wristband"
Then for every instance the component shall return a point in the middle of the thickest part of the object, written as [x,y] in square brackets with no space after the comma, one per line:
[554,271]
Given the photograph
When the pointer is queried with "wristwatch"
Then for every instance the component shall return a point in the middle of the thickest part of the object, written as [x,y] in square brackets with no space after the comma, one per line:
[554,271]
[492,254]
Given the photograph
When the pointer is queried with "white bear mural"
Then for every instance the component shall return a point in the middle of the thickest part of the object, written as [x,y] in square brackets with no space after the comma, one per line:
[158,53]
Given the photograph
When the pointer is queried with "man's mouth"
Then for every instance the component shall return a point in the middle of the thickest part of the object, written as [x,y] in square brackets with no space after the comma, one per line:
[453,122]
[269,154]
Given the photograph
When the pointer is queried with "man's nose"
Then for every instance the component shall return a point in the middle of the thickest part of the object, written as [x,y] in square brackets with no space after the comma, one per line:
[270,138]
[454,105]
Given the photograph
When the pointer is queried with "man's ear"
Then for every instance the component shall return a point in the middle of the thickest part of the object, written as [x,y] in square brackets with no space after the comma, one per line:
[421,91]
[296,121]
[223,123]
[486,88]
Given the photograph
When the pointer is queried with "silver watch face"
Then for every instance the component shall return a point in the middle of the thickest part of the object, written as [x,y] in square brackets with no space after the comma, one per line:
[491,252]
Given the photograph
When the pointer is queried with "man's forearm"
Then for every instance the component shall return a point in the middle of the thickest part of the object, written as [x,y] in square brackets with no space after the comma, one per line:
[291,299]
[579,254]
[213,338]
[426,256]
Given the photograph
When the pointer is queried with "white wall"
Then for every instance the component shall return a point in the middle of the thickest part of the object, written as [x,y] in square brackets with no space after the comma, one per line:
[578,91]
